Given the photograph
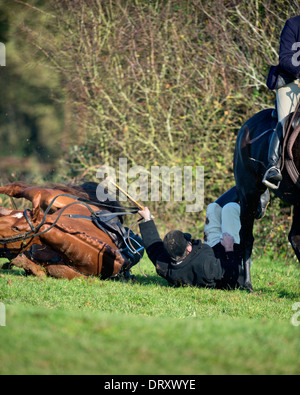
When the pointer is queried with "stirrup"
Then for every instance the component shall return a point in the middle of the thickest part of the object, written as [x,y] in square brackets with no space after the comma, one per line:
[268,183]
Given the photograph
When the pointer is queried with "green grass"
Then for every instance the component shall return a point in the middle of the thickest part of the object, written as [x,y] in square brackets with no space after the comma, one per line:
[148,327]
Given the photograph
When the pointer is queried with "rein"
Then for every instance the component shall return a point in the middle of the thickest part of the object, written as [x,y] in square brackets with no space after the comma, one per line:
[260,136]
[34,232]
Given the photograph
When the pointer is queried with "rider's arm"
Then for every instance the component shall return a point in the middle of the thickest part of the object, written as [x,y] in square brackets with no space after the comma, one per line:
[154,245]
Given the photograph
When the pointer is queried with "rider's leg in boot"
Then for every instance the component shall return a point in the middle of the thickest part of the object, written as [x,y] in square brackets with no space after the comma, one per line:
[273,176]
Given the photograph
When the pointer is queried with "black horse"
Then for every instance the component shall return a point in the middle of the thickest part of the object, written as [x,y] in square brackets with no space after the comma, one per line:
[250,163]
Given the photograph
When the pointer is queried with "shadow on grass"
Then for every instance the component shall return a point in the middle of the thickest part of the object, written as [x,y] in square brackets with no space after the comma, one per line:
[12,271]
[152,280]
[279,293]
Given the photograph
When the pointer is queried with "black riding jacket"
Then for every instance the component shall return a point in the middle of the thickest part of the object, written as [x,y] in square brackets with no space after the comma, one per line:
[288,69]
[201,268]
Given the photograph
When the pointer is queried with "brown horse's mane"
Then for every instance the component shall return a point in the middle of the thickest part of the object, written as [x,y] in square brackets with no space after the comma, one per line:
[86,191]
[69,188]
[76,190]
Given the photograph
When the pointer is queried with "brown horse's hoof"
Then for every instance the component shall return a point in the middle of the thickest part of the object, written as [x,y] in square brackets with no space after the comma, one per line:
[7,266]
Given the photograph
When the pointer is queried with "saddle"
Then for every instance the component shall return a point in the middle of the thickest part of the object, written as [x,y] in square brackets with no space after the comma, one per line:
[129,244]
[288,157]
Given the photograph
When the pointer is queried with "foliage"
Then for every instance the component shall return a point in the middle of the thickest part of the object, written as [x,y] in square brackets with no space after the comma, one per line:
[33,117]
[159,84]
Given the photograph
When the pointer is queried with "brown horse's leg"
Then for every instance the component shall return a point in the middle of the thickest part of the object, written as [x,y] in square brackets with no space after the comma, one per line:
[54,270]
[7,266]
[43,254]
[30,267]
[57,271]
[62,271]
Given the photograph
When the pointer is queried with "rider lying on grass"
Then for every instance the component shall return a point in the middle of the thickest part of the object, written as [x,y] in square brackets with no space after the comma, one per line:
[182,260]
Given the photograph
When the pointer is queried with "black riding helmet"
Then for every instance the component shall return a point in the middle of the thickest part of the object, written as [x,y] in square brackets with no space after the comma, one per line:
[176,243]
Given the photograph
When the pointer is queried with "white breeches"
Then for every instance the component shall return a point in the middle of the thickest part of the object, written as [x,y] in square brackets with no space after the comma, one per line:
[222,220]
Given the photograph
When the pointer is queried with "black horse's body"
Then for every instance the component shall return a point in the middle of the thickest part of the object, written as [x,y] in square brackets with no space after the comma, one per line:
[250,164]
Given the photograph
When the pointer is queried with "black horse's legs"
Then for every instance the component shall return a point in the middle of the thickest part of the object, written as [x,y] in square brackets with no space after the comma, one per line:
[294,236]
[248,282]
[248,212]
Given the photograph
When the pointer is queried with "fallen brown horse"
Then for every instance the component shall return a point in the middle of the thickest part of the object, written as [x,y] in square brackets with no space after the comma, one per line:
[57,237]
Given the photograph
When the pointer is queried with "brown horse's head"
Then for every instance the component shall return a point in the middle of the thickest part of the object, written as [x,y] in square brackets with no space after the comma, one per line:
[13,224]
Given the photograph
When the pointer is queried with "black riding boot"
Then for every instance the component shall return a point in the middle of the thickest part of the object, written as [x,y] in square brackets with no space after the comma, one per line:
[264,202]
[273,176]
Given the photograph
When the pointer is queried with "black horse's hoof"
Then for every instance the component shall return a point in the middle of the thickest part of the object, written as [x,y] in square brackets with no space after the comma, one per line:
[248,287]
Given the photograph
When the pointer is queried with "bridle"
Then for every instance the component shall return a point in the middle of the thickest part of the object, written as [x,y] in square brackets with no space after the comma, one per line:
[35,230]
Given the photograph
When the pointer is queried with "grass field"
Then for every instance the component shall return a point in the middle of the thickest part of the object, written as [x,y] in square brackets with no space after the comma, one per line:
[147,327]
